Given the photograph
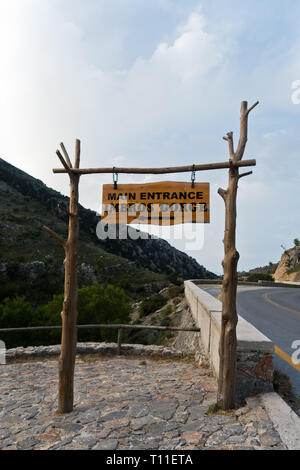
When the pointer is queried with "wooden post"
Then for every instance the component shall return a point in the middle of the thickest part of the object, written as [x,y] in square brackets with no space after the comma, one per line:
[120,331]
[228,341]
[66,364]
[69,313]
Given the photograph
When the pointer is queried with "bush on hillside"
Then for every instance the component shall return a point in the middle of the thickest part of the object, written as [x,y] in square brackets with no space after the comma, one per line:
[96,305]
[151,304]
[175,291]
[260,277]
[17,312]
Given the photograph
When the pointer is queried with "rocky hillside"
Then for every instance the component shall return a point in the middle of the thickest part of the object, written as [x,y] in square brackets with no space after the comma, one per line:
[289,266]
[269,269]
[26,252]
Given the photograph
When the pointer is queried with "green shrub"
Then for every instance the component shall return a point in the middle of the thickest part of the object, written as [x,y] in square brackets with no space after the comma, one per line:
[96,305]
[163,337]
[177,300]
[295,269]
[167,310]
[175,291]
[212,409]
[166,321]
[151,304]
[174,278]
[260,277]
[20,258]
[17,312]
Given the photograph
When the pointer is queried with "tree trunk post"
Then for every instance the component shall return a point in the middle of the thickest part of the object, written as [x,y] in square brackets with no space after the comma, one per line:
[66,363]
[228,340]
[120,331]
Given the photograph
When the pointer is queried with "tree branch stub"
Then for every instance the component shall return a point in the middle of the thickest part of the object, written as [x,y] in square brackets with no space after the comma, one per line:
[64,163]
[62,208]
[229,139]
[66,155]
[245,174]
[252,107]
[55,236]
[77,154]
[222,193]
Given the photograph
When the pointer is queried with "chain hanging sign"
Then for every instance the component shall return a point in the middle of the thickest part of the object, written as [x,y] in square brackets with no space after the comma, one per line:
[161,203]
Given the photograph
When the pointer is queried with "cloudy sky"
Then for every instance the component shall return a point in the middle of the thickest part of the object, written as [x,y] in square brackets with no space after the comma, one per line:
[159,82]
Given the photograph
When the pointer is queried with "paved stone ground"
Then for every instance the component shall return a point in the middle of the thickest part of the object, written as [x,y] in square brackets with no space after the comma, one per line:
[125,403]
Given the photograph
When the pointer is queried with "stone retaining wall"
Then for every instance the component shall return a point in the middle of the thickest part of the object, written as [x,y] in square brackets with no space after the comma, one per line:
[254,350]
[100,349]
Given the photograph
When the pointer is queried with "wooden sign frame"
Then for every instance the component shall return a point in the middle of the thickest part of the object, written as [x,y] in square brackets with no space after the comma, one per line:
[228,342]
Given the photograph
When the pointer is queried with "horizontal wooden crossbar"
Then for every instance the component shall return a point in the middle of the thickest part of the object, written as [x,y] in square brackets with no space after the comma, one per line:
[118,327]
[114,326]
[158,171]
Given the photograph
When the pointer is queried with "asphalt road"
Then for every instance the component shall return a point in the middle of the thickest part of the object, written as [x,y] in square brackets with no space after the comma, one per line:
[275,311]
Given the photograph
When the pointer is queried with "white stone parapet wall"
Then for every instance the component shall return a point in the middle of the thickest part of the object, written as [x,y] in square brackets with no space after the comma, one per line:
[254,350]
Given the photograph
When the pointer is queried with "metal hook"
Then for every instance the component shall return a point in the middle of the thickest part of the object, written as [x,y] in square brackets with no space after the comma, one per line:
[193,177]
[115,179]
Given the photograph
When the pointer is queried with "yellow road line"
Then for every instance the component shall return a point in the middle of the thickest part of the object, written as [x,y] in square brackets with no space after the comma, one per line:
[265,297]
[286,358]
[277,350]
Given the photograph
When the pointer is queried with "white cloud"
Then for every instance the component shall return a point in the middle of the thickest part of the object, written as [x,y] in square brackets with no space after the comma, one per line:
[64,76]
[271,135]
[194,53]
[53,92]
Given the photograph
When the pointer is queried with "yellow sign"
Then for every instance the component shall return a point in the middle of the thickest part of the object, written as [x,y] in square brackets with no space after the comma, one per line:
[163,203]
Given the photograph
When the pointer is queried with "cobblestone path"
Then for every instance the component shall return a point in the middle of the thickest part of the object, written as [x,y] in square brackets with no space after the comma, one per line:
[125,403]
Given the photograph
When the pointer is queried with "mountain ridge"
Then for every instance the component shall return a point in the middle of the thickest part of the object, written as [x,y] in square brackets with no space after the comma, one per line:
[154,254]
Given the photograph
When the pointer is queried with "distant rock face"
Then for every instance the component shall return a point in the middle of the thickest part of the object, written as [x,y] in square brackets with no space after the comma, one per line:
[269,269]
[287,269]
[158,256]
[36,272]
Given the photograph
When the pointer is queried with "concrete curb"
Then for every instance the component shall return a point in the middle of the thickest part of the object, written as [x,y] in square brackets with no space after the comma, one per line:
[247,283]
[285,420]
